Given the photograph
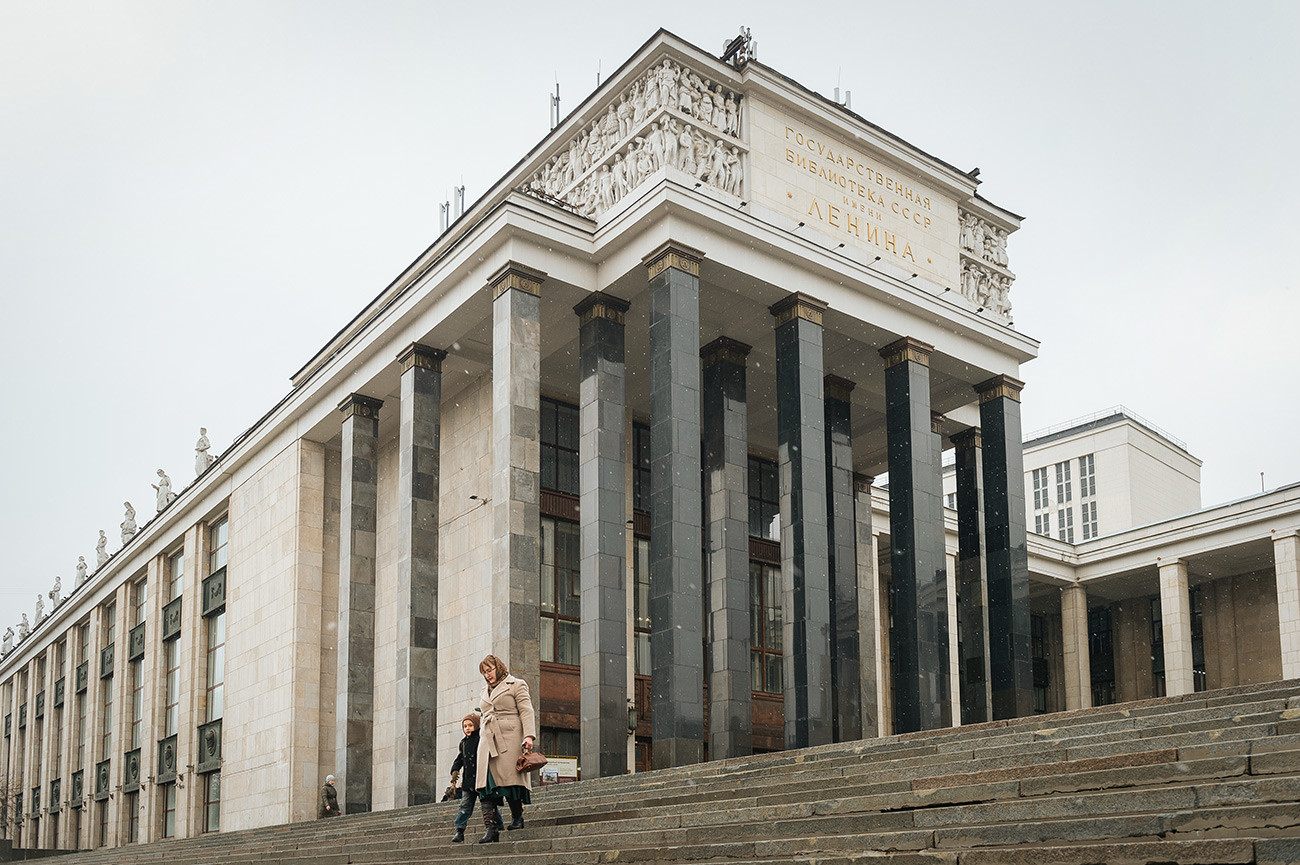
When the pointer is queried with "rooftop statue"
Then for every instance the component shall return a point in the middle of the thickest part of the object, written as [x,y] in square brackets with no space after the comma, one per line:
[81,562]
[163,488]
[23,629]
[40,608]
[202,459]
[101,554]
[9,641]
[129,528]
[55,593]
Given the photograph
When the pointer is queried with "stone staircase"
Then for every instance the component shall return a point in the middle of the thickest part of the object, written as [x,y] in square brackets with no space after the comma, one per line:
[1206,778]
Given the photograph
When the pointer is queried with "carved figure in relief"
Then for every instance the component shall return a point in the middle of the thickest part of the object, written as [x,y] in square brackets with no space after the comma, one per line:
[968,233]
[24,628]
[718,165]
[624,117]
[651,91]
[82,567]
[704,109]
[686,98]
[670,143]
[719,111]
[730,126]
[968,282]
[8,645]
[655,142]
[667,81]
[101,550]
[645,163]
[606,188]
[977,236]
[1000,249]
[129,528]
[638,104]
[734,172]
[609,129]
[686,151]
[56,593]
[40,609]
[575,161]
[594,146]
[622,185]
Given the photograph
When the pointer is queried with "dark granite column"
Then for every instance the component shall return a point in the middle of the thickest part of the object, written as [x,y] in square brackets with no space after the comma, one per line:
[868,609]
[805,556]
[972,582]
[846,694]
[676,644]
[1011,672]
[918,583]
[726,501]
[354,740]
[516,469]
[418,431]
[602,440]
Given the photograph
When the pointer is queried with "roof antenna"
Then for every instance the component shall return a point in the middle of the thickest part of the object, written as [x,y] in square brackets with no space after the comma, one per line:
[458,200]
[555,103]
[444,217]
[848,94]
[597,73]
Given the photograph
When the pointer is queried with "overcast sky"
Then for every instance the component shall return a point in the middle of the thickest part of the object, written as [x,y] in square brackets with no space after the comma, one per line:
[194,196]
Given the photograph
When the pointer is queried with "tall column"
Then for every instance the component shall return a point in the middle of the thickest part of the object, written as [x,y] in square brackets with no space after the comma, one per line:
[972,580]
[1176,626]
[676,595]
[602,441]
[516,469]
[726,501]
[870,650]
[805,554]
[841,543]
[918,583]
[354,740]
[1011,671]
[418,471]
[1286,571]
[1075,647]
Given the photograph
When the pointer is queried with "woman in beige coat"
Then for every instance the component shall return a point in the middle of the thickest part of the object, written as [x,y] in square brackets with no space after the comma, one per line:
[508,732]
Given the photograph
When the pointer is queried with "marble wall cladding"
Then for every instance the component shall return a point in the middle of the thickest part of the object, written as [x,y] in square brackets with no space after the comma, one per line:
[846,696]
[270,738]
[972,582]
[388,611]
[871,629]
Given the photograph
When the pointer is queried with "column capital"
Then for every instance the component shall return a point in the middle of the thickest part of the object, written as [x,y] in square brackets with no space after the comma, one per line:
[422,356]
[906,349]
[598,304]
[936,423]
[862,483]
[837,388]
[360,405]
[798,305]
[966,439]
[516,276]
[675,255]
[724,348]
[1000,386]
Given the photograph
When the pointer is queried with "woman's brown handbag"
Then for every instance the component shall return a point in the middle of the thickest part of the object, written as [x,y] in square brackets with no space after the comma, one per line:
[529,762]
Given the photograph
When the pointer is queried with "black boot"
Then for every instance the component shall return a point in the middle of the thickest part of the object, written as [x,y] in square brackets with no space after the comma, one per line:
[491,823]
[458,837]
[516,814]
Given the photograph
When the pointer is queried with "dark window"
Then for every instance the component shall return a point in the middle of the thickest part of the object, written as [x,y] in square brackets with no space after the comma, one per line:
[561,591]
[764,500]
[1199,679]
[641,604]
[640,467]
[1157,649]
[559,447]
[211,802]
[1038,652]
[765,628]
[1101,656]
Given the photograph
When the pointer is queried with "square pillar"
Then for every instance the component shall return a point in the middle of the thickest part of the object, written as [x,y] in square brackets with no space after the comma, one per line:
[919,585]
[1176,626]
[841,544]
[516,469]
[972,581]
[676,569]
[418,470]
[1075,647]
[354,739]
[870,650]
[1011,670]
[726,502]
[1286,571]
[805,552]
[602,485]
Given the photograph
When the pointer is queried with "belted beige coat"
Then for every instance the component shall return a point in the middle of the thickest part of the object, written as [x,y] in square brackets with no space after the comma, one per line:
[507,720]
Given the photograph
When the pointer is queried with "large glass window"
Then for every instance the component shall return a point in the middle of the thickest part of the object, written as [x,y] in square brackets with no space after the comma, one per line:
[1065,525]
[1157,649]
[175,574]
[137,703]
[216,666]
[1042,503]
[218,535]
[132,806]
[171,687]
[1038,653]
[559,446]
[1087,476]
[1064,494]
[212,802]
[1199,679]
[168,815]
[1088,518]
[139,601]
[106,719]
[765,628]
[561,592]
[641,605]
[109,624]
[1101,656]
[764,500]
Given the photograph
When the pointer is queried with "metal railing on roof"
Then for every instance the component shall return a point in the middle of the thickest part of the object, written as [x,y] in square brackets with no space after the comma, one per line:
[1099,415]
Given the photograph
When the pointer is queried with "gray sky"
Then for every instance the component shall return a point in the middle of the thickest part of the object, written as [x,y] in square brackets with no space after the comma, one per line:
[195,196]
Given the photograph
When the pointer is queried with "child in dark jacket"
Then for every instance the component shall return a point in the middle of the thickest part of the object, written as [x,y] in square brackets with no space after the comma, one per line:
[467,766]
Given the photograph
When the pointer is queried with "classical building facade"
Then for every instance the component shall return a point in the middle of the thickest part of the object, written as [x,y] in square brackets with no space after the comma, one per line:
[618,425]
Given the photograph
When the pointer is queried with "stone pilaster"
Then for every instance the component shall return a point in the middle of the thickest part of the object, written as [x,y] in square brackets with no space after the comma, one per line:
[516,469]
[726,479]
[841,544]
[676,594]
[602,485]
[1075,647]
[870,649]
[1011,671]
[354,739]
[918,586]
[972,580]
[1286,571]
[805,554]
[418,463]
[1176,626]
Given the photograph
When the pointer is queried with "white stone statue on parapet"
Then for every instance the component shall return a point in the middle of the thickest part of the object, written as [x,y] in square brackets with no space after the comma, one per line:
[129,528]
[8,645]
[202,459]
[24,628]
[40,608]
[163,489]
[56,593]
[101,556]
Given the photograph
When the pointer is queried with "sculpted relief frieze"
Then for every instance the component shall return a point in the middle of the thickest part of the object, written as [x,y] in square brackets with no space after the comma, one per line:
[985,277]
[670,118]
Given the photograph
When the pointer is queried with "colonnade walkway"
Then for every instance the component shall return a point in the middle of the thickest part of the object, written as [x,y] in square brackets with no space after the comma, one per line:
[1203,778]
